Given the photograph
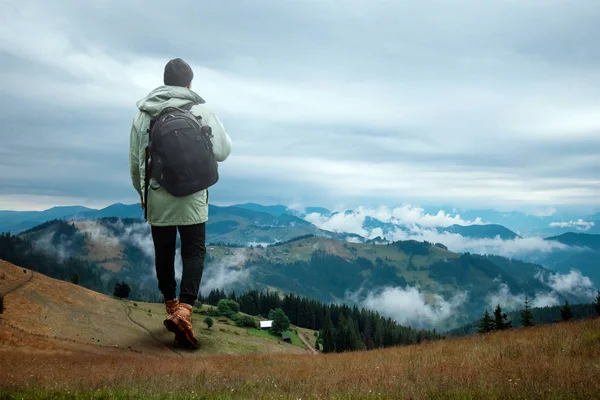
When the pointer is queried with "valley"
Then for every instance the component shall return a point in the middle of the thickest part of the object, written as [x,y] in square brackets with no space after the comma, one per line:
[419,282]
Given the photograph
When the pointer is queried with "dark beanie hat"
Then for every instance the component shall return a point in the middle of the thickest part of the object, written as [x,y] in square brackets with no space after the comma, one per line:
[178,73]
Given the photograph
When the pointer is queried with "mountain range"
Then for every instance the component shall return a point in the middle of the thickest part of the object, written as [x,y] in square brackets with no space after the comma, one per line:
[417,282]
[253,224]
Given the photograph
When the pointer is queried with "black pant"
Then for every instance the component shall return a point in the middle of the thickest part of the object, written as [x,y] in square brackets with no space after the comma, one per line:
[193,252]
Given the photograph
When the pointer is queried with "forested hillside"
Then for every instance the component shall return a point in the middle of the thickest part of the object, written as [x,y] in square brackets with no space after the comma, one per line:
[342,327]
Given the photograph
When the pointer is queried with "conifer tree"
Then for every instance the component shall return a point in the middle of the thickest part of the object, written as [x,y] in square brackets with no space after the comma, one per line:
[327,334]
[597,303]
[565,312]
[342,335]
[526,315]
[354,340]
[501,319]
[379,333]
[486,324]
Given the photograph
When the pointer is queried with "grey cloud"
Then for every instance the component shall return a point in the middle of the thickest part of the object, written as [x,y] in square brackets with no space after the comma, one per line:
[499,98]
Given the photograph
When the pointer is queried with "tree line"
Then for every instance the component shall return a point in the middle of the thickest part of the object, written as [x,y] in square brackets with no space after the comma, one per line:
[527,316]
[341,327]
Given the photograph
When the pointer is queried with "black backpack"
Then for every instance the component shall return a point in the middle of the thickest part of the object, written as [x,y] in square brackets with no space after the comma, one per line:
[179,155]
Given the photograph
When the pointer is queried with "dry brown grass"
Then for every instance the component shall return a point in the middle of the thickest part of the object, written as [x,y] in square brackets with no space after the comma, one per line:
[544,362]
[50,308]
[554,361]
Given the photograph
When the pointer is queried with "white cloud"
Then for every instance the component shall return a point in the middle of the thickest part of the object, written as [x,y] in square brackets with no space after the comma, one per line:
[574,283]
[569,284]
[225,272]
[458,243]
[297,207]
[580,225]
[405,215]
[408,214]
[98,234]
[348,223]
[413,223]
[478,115]
[46,243]
[543,212]
[408,306]
[512,302]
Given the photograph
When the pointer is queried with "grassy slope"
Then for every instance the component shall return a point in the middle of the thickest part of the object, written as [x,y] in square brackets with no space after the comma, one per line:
[56,309]
[265,334]
[558,361]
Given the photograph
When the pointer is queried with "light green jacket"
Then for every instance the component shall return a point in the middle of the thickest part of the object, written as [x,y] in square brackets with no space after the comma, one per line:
[163,208]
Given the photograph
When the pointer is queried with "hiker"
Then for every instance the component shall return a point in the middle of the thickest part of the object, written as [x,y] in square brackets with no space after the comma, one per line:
[172,176]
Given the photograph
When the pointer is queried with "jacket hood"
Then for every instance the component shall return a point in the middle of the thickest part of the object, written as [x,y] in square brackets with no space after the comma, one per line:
[167,96]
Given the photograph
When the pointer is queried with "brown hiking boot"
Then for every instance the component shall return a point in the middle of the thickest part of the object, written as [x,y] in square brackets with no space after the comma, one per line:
[180,323]
[171,306]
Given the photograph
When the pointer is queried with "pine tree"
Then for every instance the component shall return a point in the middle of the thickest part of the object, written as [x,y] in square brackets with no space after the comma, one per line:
[526,315]
[75,279]
[565,312]
[501,319]
[354,342]
[327,334]
[341,335]
[597,303]
[486,324]
[379,333]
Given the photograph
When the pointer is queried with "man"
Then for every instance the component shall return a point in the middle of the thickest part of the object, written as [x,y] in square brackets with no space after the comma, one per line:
[168,214]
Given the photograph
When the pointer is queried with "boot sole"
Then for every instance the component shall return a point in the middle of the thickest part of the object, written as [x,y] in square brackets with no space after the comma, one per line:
[180,336]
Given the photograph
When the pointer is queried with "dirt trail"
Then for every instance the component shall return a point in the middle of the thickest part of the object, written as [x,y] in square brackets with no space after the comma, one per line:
[128,313]
[29,276]
[311,349]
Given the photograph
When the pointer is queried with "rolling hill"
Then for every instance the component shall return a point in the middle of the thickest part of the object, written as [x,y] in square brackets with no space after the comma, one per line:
[55,313]
[59,341]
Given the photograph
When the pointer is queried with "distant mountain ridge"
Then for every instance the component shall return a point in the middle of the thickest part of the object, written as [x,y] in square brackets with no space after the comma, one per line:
[486,231]
[17,221]
[583,254]
[496,223]
[579,239]
[281,209]
[323,268]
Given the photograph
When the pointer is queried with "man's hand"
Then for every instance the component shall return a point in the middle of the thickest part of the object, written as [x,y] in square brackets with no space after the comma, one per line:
[142,204]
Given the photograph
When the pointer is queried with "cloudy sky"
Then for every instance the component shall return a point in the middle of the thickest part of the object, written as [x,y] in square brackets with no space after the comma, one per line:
[467,102]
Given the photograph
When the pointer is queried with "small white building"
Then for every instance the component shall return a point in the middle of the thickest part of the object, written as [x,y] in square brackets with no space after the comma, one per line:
[266,325]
